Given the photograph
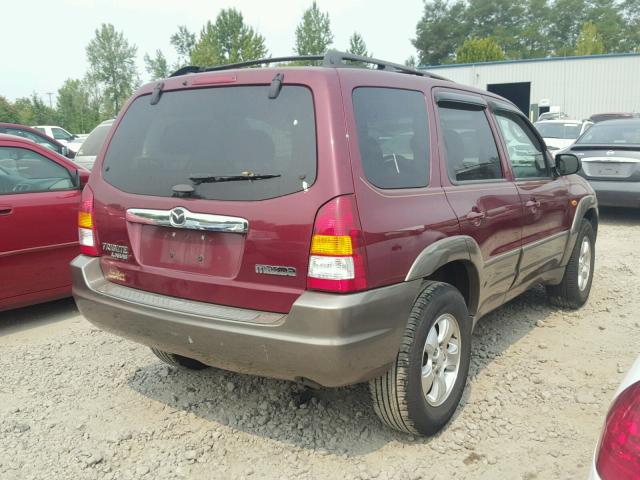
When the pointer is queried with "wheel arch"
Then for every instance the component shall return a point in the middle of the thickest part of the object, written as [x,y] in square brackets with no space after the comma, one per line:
[453,260]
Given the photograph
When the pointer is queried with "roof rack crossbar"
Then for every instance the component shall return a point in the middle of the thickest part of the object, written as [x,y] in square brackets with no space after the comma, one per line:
[332,58]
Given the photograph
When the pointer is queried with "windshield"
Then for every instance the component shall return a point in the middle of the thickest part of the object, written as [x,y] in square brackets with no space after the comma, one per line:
[216,132]
[559,130]
[619,133]
[93,143]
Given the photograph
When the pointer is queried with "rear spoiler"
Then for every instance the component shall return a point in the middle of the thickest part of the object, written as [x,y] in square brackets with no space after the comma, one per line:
[633,148]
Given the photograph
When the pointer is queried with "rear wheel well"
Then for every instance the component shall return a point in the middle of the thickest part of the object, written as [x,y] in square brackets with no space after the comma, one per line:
[464,277]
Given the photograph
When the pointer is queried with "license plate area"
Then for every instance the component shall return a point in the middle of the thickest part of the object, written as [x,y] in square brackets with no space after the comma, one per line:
[194,251]
[607,169]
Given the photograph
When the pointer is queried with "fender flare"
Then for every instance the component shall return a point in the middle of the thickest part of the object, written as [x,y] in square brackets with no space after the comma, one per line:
[585,204]
[447,250]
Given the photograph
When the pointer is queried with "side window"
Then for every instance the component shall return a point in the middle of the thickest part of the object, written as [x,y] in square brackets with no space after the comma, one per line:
[526,154]
[470,149]
[60,134]
[25,171]
[35,138]
[393,136]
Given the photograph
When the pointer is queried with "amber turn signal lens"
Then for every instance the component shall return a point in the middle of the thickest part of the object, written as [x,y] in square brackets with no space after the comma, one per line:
[331,245]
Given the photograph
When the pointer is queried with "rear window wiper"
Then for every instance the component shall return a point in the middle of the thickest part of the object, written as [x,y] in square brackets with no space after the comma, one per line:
[206,178]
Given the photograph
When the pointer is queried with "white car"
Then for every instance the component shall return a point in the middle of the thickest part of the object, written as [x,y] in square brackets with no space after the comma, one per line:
[617,456]
[559,134]
[73,142]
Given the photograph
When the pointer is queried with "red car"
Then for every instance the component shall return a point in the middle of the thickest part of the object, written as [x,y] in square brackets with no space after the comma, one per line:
[37,136]
[329,225]
[39,199]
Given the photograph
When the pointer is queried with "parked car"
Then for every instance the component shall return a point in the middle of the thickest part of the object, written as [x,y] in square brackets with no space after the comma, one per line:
[559,134]
[72,141]
[39,202]
[87,153]
[37,136]
[602,117]
[552,116]
[317,224]
[610,154]
[617,455]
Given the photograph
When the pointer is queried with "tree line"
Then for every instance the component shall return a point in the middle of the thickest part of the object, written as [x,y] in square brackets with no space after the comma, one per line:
[458,31]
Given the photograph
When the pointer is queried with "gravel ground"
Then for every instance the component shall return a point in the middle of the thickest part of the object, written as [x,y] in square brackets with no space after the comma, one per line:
[79,403]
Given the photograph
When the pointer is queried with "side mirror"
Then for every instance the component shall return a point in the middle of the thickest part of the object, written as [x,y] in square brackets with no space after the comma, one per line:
[79,178]
[567,164]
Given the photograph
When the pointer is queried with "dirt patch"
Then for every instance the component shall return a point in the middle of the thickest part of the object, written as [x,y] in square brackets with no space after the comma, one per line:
[76,402]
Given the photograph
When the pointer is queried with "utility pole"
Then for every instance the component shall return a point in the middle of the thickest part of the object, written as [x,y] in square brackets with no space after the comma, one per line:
[50,102]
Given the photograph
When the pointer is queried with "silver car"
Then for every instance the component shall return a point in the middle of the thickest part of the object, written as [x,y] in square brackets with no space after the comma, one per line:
[89,150]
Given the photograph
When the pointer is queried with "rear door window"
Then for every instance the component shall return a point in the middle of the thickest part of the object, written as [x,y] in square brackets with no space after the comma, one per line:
[470,150]
[93,143]
[393,136]
[216,132]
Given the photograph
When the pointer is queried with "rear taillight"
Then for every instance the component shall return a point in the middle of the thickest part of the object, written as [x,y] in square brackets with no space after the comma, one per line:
[86,225]
[619,452]
[337,260]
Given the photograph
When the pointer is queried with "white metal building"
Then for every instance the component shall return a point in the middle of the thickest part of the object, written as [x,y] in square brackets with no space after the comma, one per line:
[578,86]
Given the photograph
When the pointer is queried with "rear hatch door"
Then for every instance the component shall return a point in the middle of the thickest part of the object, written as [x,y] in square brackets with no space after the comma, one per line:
[210,194]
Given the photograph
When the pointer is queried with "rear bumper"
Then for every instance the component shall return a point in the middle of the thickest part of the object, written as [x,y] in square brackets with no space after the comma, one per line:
[330,339]
[617,194]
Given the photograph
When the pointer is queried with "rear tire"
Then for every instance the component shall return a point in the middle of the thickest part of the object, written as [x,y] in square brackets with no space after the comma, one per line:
[176,360]
[573,291]
[418,394]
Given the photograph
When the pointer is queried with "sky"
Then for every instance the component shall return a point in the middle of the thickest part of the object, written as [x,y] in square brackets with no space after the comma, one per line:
[43,41]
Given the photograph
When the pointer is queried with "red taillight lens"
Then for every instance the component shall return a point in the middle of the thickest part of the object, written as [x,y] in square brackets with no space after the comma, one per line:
[337,261]
[619,453]
[86,225]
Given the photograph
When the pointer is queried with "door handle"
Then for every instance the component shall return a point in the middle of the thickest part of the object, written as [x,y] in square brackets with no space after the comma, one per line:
[475,216]
[533,203]
[5,210]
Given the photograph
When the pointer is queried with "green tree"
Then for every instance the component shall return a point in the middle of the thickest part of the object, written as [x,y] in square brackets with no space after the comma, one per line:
[184,42]
[607,17]
[475,50]
[568,17]
[313,33]
[534,39]
[410,62]
[357,45]
[631,16]
[228,40]
[33,111]
[589,40]
[8,112]
[112,65]
[157,67]
[73,104]
[501,20]
[440,31]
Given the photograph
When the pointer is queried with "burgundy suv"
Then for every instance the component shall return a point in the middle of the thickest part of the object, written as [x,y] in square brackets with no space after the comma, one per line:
[327,224]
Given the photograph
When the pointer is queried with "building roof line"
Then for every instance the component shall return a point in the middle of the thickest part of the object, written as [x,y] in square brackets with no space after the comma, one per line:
[529,60]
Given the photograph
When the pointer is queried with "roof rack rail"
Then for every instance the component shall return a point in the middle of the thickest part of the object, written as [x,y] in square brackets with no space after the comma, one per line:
[332,58]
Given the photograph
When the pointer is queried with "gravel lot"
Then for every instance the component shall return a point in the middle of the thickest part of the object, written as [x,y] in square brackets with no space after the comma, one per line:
[79,403]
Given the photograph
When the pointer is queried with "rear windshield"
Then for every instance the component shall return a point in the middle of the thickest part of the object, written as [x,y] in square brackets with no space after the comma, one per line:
[614,134]
[216,132]
[93,143]
[559,130]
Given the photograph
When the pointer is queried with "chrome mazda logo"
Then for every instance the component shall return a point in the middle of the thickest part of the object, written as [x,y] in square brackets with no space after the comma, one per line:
[177,217]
